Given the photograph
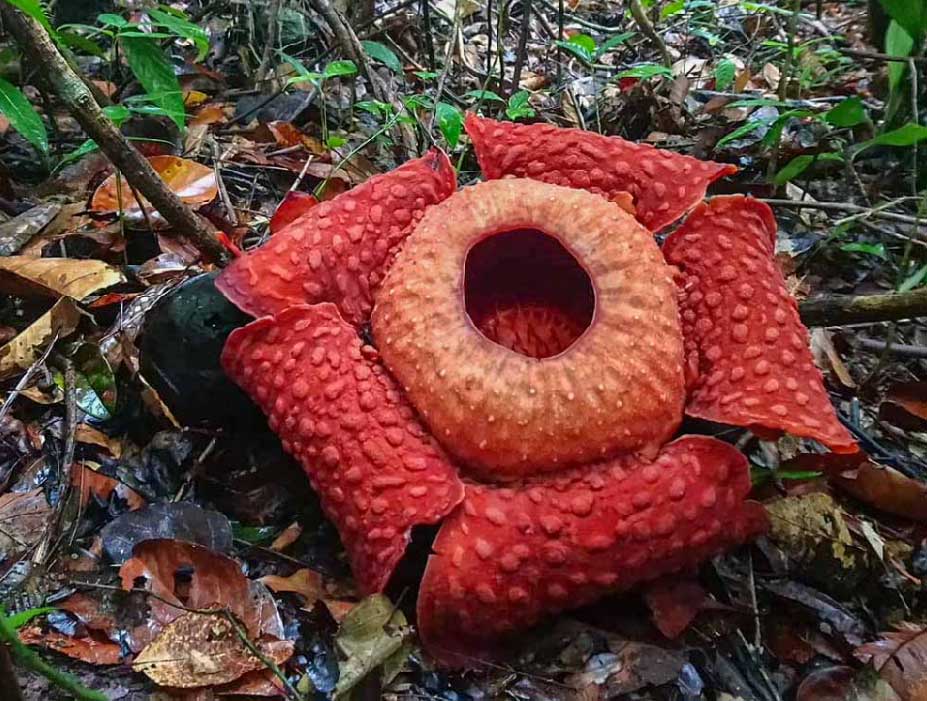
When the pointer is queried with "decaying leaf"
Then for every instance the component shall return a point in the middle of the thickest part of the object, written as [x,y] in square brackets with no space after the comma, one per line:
[89,483]
[23,517]
[905,405]
[900,658]
[16,233]
[56,277]
[674,603]
[305,582]
[22,351]
[374,633]
[193,182]
[201,649]
[93,649]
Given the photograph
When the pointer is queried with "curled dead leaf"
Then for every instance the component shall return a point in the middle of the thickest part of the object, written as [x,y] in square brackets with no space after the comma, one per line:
[194,183]
[22,351]
[89,483]
[56,277]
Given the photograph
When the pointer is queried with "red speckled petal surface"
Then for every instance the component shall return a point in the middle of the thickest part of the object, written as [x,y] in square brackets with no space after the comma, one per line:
[339,250]
[748,361]
[664,185]
[341,415]
[508,557]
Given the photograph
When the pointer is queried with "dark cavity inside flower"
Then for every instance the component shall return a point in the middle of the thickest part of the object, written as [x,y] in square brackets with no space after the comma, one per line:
[525,291]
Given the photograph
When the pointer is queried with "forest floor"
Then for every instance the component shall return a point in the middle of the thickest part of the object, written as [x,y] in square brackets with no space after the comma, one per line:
[121,442]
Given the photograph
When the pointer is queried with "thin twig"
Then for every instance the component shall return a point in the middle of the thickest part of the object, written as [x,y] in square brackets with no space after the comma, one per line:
[273,20]
[646,27]
[522,50]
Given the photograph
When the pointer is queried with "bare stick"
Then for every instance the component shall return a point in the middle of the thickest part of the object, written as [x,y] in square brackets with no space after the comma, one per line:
[850,208]
[522,50]
[644,24]
[843,310]
[67,86]
[273,19]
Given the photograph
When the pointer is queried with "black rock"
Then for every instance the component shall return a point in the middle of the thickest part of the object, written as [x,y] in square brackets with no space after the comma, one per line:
[181,341]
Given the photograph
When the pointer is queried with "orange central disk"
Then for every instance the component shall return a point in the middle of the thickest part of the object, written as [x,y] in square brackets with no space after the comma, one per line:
[534,327]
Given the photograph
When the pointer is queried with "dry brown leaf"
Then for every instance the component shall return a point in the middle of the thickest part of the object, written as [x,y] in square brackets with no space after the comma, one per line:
[89,435]
[22,351]
[900,658]
[201,649]
[305,582]
[287,537]
[905,406]
[56,277]
[93,649]
[193,182]
[23,517]
[89,482]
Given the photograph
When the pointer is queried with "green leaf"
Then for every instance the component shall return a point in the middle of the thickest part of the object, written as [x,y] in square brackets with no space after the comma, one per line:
[108,19]
[154,71]
[725,72]
[800,164]
[673,8]
[914,280]
[117,113]
[18,620]
[34,9]
[873,249]
[518,107]
[183,28]
[339,69]
[906,135]
[613,43]
[334,141]
[584,42]
[425,75]
[741,131]
[450,122]
[899,43]
[646,70]
[577,50]
[383,54]
[23,117]
[89,146]
[484,96]
[848,113]
[73,40]
[374,107]
[910,14]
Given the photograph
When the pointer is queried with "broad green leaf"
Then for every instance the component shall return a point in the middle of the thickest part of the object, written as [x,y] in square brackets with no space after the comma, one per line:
[725,72]
[848,113]
[585,42]
[374,107]
[873,249]
[339,69]
[484,96]
[450,122]
[910,14]
[183,28]
[613,43]
[117,113]
[900,43]
[383,54]
[334,141]
[414,102]
[581,52]
[646,70]
[89,146]
[79,42]
[140,34]
[672,8]
[800,164]
[22,115]
[34,9]
[741,131]
[108,19]
[906,135]
[154,71]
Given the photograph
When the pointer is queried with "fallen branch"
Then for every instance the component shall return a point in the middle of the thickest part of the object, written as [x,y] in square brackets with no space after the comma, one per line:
[843,310]
[854,209]
[67,86]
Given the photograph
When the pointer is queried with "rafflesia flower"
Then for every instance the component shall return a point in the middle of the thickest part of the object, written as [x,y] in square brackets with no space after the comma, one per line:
[533,353]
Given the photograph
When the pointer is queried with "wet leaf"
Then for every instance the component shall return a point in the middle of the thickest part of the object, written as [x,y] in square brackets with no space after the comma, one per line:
[178,520]
[193,182]
[91,484]
[293,206]
[55,277]
[371,635]
[93,649]
[900,658]
[22,115]
[22,351]
[200,649]
[905,405]
[23,519]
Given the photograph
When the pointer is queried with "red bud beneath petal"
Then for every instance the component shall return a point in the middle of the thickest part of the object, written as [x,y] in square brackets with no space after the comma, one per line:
[342,416]
[748,361]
